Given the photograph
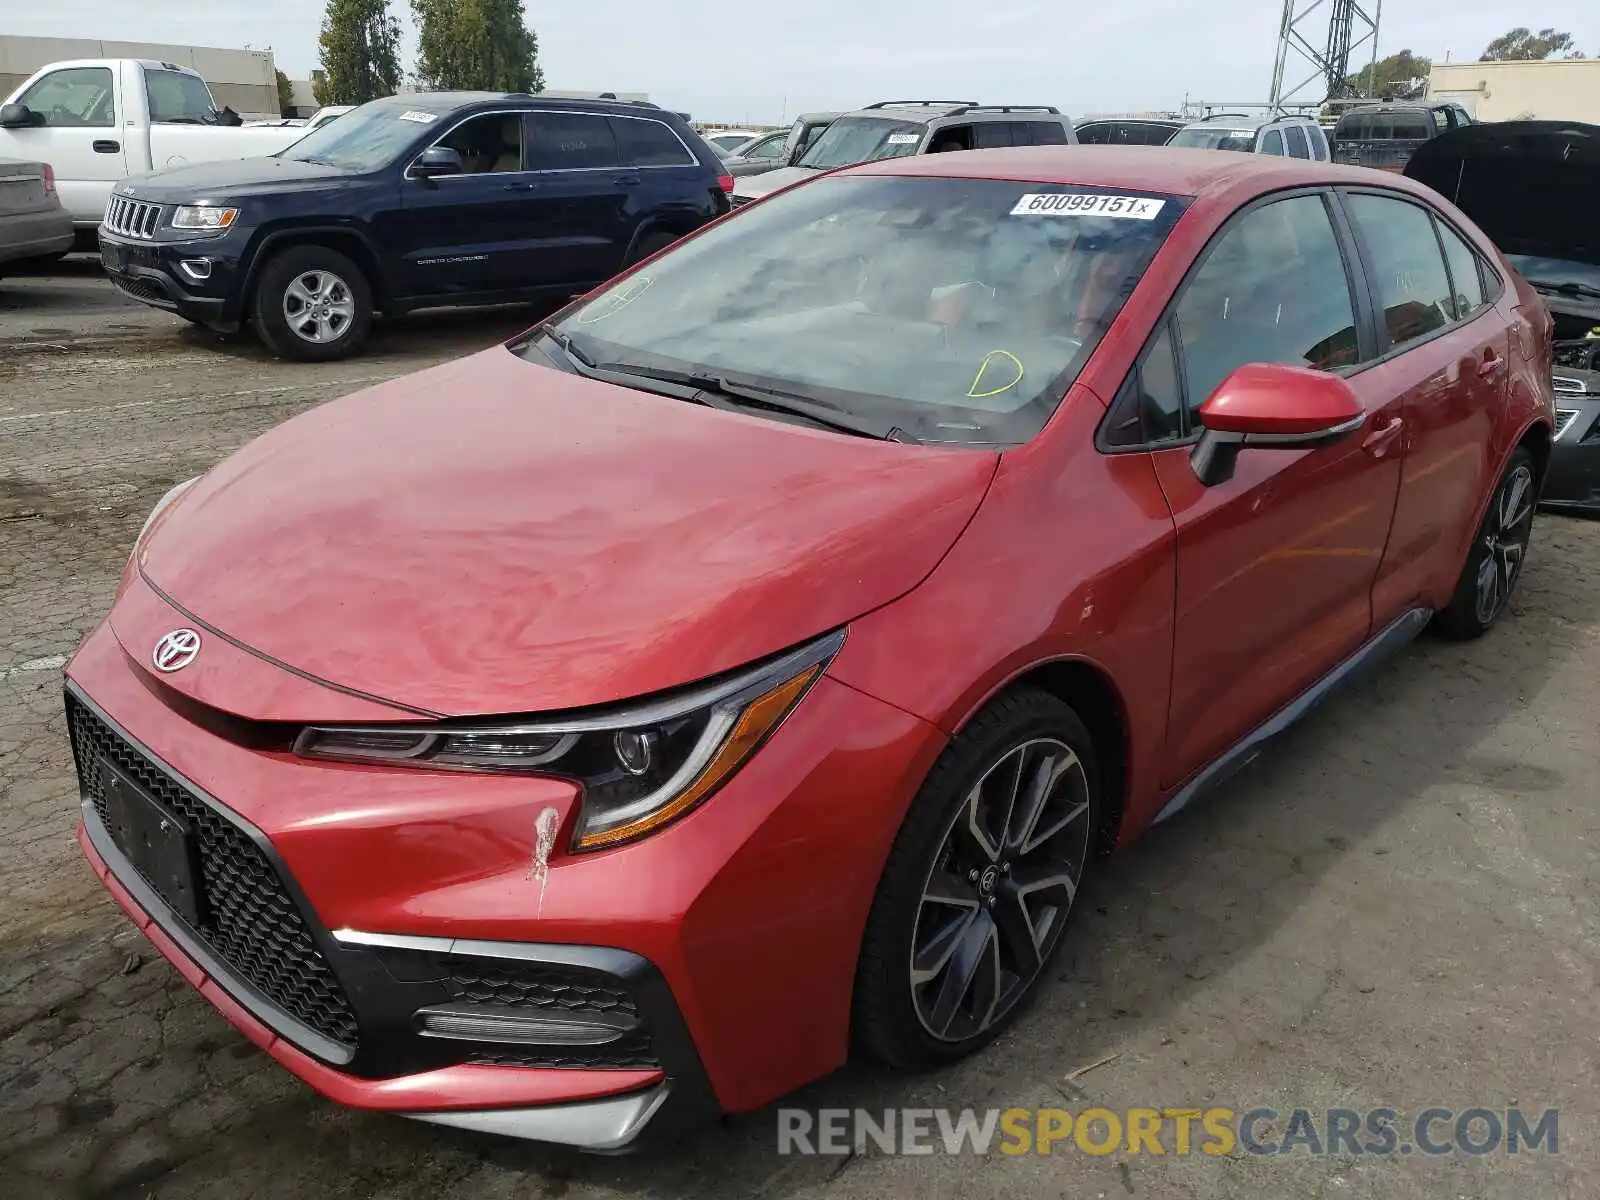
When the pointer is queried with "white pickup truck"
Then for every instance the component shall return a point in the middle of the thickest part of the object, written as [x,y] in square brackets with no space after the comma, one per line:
[99,120]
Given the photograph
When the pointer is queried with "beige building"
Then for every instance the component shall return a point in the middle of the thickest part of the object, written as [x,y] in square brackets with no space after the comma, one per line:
[1553,90]
[244,80]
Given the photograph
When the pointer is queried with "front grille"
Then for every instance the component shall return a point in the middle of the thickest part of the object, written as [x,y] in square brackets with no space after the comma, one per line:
[138,289]
[251,923]
[556,990]
[1567,386]
[132,218]
[1564,419]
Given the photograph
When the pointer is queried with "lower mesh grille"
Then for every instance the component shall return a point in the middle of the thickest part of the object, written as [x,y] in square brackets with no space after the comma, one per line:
[556,990]
[252,925]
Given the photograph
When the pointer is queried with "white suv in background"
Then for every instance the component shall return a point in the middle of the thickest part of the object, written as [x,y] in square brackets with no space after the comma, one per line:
[1290,137]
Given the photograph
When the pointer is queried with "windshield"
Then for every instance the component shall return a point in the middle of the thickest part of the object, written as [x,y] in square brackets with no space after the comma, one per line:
[854,140]
[1206,138]
[1556,272]
[364,139]
[958,310]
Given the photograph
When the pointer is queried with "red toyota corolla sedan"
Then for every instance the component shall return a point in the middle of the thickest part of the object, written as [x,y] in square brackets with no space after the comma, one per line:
[619,725]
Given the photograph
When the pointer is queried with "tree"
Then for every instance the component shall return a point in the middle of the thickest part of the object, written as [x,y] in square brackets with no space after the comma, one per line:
[1389,75]
[285,95]
[360,52]
[476,45]
[1519,45]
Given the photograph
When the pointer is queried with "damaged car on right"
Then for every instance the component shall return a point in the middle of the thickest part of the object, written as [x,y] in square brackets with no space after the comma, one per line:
[1534,188]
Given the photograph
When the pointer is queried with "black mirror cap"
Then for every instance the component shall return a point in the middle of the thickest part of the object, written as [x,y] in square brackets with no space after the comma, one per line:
[18,116]
[435,161]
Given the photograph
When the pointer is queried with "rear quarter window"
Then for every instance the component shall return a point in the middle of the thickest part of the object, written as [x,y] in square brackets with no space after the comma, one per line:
[645,143]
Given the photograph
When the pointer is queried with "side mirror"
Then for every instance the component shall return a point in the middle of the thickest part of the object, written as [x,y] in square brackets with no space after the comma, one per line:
[18,116]
[436,161]
[1272,406]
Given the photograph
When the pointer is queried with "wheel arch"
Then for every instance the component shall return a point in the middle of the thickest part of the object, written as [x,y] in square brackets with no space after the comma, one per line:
[1088,689]
[348,242]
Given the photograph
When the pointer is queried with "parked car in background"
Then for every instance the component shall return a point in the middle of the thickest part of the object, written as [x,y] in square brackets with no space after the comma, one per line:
[328,113]
[744,668]
[758,155]
[1534,188]
[729,140]
[1289,136]
[1127,131]
[1385,136]
[438,198]
[33,225]
[97,121]
[804,130]
[895,128]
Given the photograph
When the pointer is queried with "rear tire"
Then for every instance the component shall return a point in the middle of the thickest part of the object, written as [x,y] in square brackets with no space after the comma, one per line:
[1499,550]
[312,304]
[650,243]
[979,884]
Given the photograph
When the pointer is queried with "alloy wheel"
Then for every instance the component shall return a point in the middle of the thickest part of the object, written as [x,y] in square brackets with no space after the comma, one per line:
[1505,542]
[1001,885]
[318,306]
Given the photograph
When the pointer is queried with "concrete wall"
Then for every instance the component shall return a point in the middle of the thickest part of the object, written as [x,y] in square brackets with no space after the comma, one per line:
[1506,91]
[245,80]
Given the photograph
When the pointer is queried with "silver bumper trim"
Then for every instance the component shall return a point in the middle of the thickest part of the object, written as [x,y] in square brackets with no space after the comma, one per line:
[591,1125]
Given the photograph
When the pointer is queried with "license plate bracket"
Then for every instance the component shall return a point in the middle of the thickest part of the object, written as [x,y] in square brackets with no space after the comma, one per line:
[111,256]
[157,841]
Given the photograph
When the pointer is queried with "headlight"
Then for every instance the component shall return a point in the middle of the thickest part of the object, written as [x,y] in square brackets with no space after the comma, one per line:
[640,766]
[161,506]
[204,216]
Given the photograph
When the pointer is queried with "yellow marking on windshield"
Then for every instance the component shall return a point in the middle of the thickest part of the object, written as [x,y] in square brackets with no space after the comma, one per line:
[972,389]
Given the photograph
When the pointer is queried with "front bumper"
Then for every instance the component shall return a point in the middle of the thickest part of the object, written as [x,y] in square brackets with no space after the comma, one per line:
[343,901]
[1573,479]
[164,275]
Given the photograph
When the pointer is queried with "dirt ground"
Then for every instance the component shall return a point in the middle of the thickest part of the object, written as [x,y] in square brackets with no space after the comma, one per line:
[1396,906]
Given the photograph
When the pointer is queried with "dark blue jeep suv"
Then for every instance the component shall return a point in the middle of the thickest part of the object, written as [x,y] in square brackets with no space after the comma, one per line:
[421,201]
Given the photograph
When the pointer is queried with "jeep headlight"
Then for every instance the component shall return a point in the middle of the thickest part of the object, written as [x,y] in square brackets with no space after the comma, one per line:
[640,766]
[211,218]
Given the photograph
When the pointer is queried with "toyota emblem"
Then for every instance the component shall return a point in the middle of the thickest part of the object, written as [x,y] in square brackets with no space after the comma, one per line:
[176,650]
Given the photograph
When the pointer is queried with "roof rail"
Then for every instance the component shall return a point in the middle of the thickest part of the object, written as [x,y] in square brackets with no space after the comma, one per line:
[1006,108]
[1227,116]
[923,104]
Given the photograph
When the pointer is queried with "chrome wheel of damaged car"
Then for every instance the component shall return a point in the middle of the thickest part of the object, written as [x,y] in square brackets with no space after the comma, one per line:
[997,895]
[1505,542]
[318,307]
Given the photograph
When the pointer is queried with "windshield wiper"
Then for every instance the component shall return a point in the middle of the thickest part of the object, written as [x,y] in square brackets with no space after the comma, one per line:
[1567,288]
[744,395]
[582,364]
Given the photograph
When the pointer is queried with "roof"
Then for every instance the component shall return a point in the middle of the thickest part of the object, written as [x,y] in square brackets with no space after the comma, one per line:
[928,111]
[1175,172]
[1226,120]
[447,102]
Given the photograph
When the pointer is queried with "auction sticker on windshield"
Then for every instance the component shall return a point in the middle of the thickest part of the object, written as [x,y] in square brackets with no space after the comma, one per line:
[1062,204]
[421,118]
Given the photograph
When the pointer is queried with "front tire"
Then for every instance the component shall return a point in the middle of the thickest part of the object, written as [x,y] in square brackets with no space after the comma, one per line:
[1499,549]
[979,884]
[312,304]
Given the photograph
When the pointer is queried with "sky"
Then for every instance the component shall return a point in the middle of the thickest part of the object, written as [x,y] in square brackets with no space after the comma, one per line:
[764,63]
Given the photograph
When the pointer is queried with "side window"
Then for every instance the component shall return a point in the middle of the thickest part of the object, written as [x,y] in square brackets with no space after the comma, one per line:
[1272,142]
[1412,285]
[1465,272]
[1096,133]
[1041,133]
[1149,408]
[561,141]
[770,147]
[1272,288]
[991,135]
[1442,119]
[1319,144]
[178,99]
[645,143]
[488,144]
[1296,138]
[73,98]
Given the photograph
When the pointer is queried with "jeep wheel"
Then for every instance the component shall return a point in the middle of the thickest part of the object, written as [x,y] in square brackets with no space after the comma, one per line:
[312,304]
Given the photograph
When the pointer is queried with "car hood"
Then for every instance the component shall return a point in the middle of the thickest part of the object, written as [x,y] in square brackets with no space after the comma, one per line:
[491,536]
[767,182]
[230,178]
[1532,186]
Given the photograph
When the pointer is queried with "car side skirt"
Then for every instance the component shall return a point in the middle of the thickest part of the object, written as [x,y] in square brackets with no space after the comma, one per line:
[1395,636]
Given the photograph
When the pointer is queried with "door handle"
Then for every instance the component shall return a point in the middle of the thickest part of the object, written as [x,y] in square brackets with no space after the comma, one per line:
[1490,366]
[628,180]
[106,147]
[1377,442]
[518,187]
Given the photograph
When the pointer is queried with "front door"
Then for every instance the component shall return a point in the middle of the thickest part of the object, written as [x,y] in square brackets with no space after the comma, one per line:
[1275,566]
[475,233]
[80,137]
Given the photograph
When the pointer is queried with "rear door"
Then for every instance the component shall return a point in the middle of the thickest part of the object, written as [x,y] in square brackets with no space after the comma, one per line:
[664,186]
[80,137]
[1444,350]
[585,200]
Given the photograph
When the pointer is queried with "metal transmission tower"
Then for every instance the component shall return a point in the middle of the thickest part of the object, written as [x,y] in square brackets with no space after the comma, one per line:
[1350,27]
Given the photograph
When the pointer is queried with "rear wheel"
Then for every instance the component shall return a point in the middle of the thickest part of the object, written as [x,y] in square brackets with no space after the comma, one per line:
[650,243]
[979,883]
[312,304]
[1494,564]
